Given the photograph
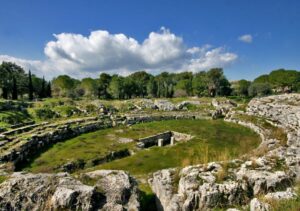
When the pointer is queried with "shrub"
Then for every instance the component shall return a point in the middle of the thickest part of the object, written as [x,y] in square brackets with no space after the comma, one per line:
[67,111]
[259,89]
[44,113]
[90,108]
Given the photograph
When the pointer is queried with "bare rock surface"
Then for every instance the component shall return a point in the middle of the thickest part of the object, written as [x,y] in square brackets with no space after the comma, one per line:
[164,105]
[272,173]
[256,205]
[113,190]
[288,194]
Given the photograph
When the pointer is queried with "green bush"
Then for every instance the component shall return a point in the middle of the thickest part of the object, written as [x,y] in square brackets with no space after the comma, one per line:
[259,89]
[14,117]
[90,108]
[67,111]
[44,113]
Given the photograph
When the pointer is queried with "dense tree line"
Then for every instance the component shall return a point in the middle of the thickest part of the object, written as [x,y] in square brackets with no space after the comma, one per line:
[209,83]
[142,84]
[15,83]
[278,81]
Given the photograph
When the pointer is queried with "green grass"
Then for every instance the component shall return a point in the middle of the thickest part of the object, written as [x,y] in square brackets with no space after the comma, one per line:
[286,204]
[9,118]
[86,147]
[214,140]
[2,178]
[275,132]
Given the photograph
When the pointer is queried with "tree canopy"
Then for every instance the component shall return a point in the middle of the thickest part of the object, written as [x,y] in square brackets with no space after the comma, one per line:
[16,83]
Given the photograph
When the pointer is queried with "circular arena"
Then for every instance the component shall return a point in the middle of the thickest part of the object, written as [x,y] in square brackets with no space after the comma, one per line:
[219,156]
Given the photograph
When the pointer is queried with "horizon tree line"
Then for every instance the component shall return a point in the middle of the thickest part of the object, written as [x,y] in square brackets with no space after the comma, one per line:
[15,83]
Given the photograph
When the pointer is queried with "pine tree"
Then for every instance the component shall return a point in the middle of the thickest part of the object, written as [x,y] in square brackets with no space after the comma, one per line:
[30,86]
[14,89]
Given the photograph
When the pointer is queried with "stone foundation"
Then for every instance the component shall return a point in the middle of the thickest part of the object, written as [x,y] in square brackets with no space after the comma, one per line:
[162,139]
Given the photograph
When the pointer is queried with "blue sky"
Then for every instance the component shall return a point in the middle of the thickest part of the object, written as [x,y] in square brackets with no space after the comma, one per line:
[272,30]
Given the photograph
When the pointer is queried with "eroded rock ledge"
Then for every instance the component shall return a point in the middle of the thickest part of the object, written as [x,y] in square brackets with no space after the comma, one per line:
[104,190]
[271,170]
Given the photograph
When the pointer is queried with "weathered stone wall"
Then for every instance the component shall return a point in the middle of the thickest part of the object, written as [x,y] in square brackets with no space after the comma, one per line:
[135,119]
[153,140]
[181,136]
[165,137]
[36,142]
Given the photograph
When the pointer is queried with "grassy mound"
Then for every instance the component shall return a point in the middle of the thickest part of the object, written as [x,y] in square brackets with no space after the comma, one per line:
[214,140]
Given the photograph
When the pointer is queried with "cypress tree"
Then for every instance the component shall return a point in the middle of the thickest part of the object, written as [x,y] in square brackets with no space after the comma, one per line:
[14,89]
[49,92]
[43,89]
[30,86]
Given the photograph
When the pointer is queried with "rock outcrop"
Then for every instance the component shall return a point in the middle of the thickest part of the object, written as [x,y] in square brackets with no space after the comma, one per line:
[271,172]
[256,205]
[222,107]
[164,105]
[110,190]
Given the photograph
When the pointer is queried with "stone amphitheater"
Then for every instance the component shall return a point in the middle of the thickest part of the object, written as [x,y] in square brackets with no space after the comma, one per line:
[270,172]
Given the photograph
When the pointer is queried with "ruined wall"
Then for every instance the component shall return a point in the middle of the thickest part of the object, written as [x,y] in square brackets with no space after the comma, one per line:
[153,140]
[49,134]
[36,142]
[165,137]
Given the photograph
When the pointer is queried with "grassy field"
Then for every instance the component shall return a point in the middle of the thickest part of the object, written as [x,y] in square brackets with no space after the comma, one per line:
[86,147]
[214,140]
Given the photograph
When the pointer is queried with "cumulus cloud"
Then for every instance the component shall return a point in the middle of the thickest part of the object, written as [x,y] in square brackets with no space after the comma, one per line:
[101,51]
[216,57]
[247,38]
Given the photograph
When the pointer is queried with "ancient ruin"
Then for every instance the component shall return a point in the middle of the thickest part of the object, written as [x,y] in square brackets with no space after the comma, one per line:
[199,187]
[162,139]
[270,172]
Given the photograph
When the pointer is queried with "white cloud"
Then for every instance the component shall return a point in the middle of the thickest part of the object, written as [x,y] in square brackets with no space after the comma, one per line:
[82,56]
[247,38]
[216,57]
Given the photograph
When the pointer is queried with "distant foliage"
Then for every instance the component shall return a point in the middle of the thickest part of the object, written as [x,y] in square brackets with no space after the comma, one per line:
[15,84]
[44,113]
[277,82]
[259,89]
